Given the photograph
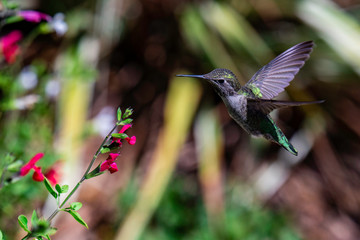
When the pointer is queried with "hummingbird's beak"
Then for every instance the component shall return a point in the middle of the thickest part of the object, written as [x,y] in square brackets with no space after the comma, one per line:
[192,76]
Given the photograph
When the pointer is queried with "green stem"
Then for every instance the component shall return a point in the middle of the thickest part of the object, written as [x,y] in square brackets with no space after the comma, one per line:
[70,194]
[97,154]
[83,177]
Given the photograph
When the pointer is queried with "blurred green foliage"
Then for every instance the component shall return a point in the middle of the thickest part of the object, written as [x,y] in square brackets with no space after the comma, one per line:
[181,215]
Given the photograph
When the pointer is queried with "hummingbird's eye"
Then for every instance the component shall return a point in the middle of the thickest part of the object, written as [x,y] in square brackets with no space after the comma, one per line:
[221,81]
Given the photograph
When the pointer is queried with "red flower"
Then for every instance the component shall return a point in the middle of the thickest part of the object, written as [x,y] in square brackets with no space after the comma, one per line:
[9,47]
[38,175]
[31,164]
[34,16]
[53,174]
[130,140]
[109,163]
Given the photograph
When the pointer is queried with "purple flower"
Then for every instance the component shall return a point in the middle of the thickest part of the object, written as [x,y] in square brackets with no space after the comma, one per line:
[34,16]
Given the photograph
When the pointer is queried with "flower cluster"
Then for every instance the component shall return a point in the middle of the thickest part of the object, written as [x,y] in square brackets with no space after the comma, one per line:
[130,140]
[9,42]
[109,163]
[52,174]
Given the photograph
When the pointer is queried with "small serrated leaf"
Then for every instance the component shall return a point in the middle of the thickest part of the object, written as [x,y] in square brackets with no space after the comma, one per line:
[65,188]
[119,135]
[75,206]
[77,217]
[50,188]
[128,112]
[23,222]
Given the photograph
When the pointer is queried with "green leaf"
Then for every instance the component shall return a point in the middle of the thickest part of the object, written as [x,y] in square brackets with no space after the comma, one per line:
[126,121]
[119,135]
[94,173]
[128,113]
[77,217]
[34,219]
[50,188]
[105,150]
[23,222]
[45,28]
[58,188]
[51,231]
[65,188]
[15,166]
[12,5]
[75,206]
[112,146]
[13,19]
[1,236]
[42,229]
[119,114]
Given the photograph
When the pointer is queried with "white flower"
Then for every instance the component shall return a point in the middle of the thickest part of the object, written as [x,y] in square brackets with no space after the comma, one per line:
[52,88]
[58,24]
[28,78]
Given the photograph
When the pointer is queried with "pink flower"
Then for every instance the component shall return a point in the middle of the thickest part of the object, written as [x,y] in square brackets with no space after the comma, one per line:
[9,47]
[109,163]
[125,127]
[34,16]
[31,164]
[130,140]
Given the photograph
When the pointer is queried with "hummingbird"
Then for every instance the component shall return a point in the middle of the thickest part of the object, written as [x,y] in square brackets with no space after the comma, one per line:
[251,104]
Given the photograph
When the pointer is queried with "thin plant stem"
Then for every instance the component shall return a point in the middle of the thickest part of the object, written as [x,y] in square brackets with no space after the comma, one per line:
[97,153]
[84,175]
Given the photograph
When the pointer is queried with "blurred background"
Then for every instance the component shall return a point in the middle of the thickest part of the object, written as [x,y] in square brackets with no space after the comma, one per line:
[193,172]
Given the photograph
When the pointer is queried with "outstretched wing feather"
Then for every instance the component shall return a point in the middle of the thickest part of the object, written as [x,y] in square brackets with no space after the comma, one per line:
[274,77]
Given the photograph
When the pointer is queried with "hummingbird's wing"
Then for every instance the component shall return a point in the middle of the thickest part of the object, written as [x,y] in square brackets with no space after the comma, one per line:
[267,106]
[271,79]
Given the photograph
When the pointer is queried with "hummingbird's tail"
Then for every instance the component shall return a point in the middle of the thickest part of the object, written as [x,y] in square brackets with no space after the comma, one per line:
[279,137]
[288,146]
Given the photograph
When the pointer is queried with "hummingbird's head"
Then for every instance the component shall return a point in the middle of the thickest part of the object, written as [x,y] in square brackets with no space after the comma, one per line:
[223,80]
